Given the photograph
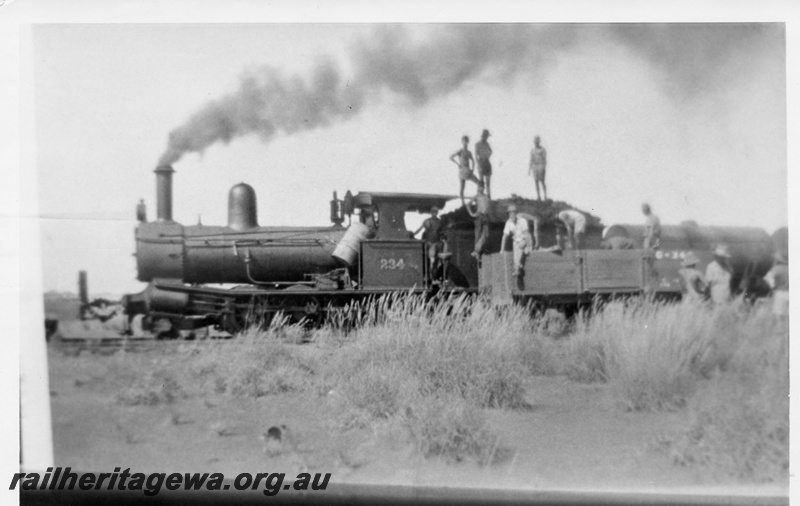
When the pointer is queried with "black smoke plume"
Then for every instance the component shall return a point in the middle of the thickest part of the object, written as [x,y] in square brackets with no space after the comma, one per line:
[692,58]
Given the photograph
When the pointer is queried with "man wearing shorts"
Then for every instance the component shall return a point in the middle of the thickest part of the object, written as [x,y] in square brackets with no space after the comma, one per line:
[463,158]
[537,167]
[575,223]
[483,151]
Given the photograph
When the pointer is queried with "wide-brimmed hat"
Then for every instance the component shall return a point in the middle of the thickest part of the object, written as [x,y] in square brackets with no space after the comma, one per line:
[722,251]
[690,260]
[512,209]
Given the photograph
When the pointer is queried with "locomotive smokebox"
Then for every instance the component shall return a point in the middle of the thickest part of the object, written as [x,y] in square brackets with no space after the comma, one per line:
[164,192]
[242,210]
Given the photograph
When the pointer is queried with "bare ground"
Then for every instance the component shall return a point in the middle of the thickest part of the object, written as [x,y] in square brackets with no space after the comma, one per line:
[572,437]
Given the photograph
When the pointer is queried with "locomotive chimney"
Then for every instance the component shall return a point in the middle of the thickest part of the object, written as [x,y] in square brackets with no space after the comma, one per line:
[164,192]
[83,288]
[242,212]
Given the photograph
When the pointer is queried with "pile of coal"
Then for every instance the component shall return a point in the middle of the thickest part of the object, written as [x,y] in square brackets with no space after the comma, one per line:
[546,210]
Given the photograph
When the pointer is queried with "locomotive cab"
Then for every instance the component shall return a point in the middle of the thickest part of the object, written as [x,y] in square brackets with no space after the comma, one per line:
[386,211]
[389,257]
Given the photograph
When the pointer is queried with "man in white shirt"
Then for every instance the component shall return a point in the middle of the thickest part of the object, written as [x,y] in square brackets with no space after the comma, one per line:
[718,275]
[778,280]
[517,229]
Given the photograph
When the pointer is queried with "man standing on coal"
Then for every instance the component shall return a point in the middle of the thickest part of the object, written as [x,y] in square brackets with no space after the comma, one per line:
[538,166]
[463,158]
[483,151]
[652,229]
[482,204]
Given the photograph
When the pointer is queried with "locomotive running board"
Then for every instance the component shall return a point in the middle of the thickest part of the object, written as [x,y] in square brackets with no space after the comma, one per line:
[243,292]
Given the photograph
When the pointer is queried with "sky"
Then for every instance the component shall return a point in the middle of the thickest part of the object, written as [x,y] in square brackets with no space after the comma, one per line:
[690,118]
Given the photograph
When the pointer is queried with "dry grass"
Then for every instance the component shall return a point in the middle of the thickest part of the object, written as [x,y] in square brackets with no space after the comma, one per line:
[431,369]
[256,364]
[726,365]
[434,369]
[740,416]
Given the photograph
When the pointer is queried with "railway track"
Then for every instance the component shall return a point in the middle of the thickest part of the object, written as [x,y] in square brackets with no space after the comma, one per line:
[112,344]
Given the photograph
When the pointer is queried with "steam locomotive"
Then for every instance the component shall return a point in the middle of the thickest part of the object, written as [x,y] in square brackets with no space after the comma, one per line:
[307,272]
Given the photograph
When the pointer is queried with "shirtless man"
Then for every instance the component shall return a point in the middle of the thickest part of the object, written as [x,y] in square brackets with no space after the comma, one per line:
[537,167]
[463,158]
[482,204]
[483,151]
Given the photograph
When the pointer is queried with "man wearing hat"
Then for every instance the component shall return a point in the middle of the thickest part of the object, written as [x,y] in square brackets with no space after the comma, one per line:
[778,280]
[538,166]
[483,151]
[517,229]
[432,234]
[718,275]
[693,285]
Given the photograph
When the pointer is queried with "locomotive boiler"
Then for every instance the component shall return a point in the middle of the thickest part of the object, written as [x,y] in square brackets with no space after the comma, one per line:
[241,252]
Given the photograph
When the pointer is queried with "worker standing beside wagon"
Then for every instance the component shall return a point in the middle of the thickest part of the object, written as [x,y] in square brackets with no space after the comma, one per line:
[693,286]
[719,274]
[778,280]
